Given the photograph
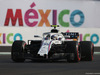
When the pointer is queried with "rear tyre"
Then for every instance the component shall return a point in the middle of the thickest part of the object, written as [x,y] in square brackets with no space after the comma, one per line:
[73,52]
[87,50]
[17,52]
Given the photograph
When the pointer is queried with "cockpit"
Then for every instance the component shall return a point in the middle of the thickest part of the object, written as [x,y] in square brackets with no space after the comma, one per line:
[52,36]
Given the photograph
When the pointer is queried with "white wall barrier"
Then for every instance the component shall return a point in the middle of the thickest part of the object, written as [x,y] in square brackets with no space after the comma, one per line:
[10,34]
[22,19]
[43,13]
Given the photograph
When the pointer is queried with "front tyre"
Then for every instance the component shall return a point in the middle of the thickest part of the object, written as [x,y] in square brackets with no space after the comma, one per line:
[17,52]
[74,54]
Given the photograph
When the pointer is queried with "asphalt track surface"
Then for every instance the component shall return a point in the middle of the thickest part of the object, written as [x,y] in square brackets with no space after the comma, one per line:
[8,67]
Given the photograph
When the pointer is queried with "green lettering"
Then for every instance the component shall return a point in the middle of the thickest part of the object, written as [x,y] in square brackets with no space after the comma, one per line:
[60,18]
[85,36]
[8,38]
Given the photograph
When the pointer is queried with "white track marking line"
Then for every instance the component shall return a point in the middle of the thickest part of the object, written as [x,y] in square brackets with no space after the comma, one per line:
[96,52]
[9,53]
[5,53]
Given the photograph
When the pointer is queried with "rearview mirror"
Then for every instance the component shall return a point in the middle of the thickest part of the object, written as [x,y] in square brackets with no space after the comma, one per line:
[37,36]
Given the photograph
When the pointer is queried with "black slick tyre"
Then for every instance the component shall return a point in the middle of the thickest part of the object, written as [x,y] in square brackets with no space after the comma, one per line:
[87,50]
[17,52]
[73,53]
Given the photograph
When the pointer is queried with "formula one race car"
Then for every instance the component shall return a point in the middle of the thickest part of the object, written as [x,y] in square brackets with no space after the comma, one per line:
[53,46]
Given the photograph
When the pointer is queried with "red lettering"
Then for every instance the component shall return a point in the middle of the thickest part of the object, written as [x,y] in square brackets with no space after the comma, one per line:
[18,15]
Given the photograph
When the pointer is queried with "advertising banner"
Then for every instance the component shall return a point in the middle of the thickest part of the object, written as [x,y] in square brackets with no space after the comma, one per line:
[22,19]
[43,13]
[7,36]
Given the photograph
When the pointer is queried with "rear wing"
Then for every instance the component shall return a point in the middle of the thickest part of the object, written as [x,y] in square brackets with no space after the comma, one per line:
[71,35]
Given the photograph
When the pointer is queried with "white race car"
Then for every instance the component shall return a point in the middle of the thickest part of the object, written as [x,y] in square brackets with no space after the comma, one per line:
[53,46]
